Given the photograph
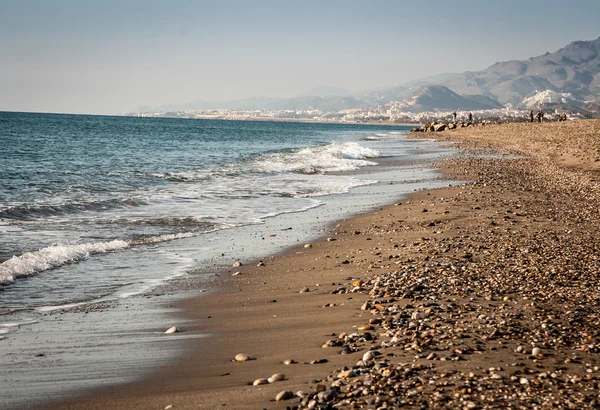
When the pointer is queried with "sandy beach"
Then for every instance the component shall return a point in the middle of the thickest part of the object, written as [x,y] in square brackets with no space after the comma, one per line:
[484,295]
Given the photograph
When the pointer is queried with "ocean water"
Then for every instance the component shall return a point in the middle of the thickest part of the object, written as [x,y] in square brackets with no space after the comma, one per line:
[97,209]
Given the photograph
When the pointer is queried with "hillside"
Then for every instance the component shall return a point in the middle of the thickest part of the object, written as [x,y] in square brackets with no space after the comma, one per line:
[435,97]
[573,69]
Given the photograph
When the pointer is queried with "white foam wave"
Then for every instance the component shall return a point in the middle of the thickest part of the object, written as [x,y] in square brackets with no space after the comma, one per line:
[51,257]
[31,263]
[329,158]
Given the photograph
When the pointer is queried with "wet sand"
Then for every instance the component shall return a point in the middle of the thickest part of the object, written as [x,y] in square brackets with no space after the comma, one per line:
[482,295]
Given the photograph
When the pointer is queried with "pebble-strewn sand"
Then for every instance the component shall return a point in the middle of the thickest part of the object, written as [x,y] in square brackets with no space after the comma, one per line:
[485,295]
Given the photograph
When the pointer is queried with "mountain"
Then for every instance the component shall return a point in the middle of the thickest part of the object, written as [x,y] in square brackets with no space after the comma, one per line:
[573,69]
[571,74]
[437,97]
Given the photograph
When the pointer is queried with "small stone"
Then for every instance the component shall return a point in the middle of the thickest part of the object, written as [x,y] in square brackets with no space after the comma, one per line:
[261,263]
[319,361]
[346,374]
[289,361]
[536,351]
[320,387]
[365,328]
[173,329]
[330,239]
[416,315]
[243,357]
[370,355]
[365,306]
[258,382]
[304,290]
[170,406]
[284,395]
[277,377]
[520,349]
[308,245]
[524,380]
[236,273]
[237,264]
[327,395]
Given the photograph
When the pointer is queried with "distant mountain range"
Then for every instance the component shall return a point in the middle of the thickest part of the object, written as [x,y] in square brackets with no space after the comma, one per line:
[573,70]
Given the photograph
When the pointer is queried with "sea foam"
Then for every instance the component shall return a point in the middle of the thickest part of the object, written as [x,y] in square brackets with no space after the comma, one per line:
[334,157]
[51,257]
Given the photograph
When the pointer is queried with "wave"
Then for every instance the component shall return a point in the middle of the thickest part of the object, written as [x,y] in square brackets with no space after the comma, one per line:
[51,257]
[29,212]
[55,256]
[334,157]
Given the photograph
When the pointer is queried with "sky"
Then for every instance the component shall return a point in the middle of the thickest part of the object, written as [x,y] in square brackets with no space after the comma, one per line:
[113,57]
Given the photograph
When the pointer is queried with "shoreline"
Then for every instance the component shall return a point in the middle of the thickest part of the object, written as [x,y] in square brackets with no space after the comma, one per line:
[445,243]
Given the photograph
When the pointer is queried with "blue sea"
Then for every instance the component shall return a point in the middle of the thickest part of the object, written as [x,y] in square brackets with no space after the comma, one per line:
[98,208]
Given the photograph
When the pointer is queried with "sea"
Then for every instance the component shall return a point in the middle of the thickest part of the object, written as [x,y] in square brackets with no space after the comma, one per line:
[98,212]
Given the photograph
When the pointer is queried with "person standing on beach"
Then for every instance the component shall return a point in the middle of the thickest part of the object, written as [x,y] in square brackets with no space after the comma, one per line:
[454,116]
[531,116]
[470,117]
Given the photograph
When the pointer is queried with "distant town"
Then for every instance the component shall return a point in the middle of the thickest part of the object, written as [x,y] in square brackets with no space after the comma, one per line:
[390,113]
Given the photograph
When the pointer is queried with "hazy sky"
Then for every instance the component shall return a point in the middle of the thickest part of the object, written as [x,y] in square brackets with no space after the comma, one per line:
[111,57]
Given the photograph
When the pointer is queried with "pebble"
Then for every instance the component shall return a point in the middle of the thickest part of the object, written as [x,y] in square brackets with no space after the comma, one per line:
[277,377]
[170,406]
[346,374]
[370,355]
[416,315]
[327,395]
[243,357]
[308,245]
[237,264]
[289,361]
[173,329]
[284,395]
[259,382]
[536,351]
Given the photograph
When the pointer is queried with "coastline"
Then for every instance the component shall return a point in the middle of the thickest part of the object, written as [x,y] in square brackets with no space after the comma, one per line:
[511,205]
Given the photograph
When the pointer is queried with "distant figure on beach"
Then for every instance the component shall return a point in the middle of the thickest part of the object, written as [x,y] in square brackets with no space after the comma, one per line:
[470,117]
[563,117]
[454,116]
[531,116]
[540,115]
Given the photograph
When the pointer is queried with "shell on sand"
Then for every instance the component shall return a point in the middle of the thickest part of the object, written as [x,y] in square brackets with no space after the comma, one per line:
[173,329]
